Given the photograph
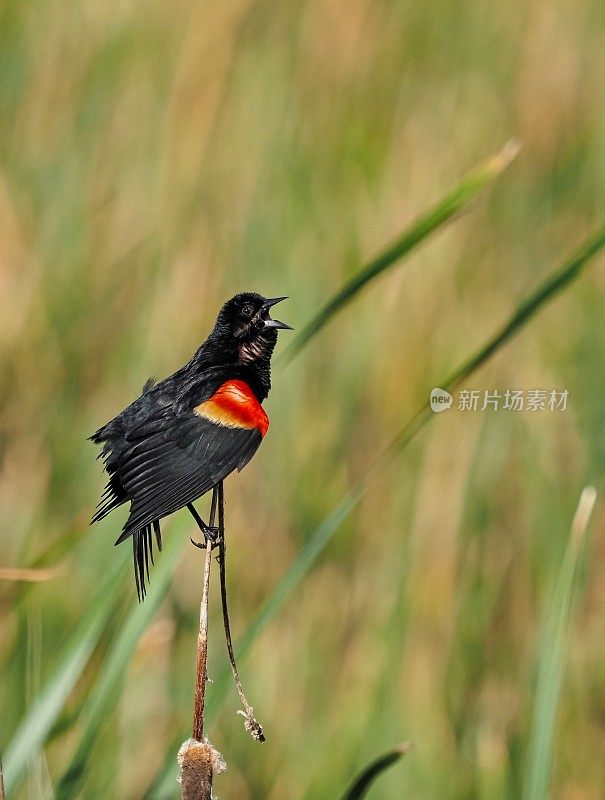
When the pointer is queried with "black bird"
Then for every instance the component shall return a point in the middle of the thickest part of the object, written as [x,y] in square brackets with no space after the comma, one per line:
[184,435]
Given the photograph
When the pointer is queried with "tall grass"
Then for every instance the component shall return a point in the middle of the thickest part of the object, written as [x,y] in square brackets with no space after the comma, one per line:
[46,708]
[154,161]
[553,657]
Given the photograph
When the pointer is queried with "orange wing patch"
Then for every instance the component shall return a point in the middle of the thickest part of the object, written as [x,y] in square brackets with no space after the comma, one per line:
[235,406]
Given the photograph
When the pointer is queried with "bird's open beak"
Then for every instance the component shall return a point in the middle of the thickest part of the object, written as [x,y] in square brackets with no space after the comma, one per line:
[273,323]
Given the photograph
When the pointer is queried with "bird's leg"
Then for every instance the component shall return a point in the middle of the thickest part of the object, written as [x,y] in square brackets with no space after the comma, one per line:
[209,531]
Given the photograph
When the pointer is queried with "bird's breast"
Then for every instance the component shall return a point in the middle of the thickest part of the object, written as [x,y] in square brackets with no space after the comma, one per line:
[234,405]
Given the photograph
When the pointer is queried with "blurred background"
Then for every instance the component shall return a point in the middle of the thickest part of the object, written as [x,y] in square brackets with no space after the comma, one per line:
[156,158]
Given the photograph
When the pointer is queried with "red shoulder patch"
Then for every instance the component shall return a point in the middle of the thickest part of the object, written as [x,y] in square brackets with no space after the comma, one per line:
[234,405]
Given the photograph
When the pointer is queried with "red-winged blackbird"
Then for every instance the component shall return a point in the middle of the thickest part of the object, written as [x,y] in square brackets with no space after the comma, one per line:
[184,435]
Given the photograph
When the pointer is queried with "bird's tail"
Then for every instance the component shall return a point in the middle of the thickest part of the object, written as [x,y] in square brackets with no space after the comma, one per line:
[142,552]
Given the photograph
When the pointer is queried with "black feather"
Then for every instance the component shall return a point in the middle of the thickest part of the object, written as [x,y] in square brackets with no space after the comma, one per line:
[175,475]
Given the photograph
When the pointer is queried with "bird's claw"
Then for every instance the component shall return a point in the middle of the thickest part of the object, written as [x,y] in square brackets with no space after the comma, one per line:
[212,534]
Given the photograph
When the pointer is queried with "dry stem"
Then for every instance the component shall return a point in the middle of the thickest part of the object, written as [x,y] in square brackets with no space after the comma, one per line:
[201,675]
[253,727]
[198,760]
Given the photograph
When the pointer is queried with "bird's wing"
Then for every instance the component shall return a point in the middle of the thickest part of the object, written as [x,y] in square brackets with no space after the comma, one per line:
[182,459]
[166,472]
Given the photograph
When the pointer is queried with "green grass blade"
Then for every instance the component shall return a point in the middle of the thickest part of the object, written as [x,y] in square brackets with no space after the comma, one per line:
[552,659]
[106,691]
[43,713]
[548,290]
[450,205]
[361,784]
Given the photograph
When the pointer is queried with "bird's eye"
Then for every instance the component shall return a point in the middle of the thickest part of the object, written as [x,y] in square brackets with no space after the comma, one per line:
[247,309]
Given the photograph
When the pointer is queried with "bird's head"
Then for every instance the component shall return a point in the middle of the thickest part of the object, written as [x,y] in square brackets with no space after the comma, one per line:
[246,320]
